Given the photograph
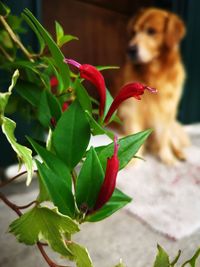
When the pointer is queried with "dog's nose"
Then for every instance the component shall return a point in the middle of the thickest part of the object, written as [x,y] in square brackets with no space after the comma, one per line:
[132,51]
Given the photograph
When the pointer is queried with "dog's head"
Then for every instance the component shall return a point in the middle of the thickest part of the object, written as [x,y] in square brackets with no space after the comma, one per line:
[151,32]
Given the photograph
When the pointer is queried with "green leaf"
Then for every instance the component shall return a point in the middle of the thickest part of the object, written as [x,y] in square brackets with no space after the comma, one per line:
[58,189]
[66,39]
[52,162]
[61,38]
[100,68]
[5,40]
[128,147]
[42,223]
[120,264]
[51,63]
[96,128]
[82,96]
[53,48]
[172,264]
[4,10]
[49,107]
[89,180]
[29,91]
[59,31]
[109,100]
[71,135]
[81,255]
[24,65]
[37,33]
[116,202]
[5,96]
[193,260]
[162,259]
[24,154]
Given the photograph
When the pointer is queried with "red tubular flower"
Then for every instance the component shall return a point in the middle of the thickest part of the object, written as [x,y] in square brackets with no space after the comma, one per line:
[109,183]
[54,84]
[91,74]
[127,91]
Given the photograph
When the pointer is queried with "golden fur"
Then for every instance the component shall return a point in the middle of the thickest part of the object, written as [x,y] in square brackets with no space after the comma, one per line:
[156,35]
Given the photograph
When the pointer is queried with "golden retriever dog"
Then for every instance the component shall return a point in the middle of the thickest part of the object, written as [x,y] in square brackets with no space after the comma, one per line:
[154,60]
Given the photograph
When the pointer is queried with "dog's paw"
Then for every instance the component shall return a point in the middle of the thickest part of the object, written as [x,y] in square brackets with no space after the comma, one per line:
[167,157]
[179,154]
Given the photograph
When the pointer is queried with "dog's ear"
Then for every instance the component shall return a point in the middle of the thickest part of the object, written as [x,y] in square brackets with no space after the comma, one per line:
[133,20]
[175,30]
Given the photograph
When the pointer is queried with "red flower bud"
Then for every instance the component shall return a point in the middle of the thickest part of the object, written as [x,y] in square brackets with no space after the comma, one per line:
[127,91]
[109,183]
[65,106]
[53,122]
[53,81]
[91,74]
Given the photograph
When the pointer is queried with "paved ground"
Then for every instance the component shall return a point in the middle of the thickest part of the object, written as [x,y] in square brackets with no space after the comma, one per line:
[121,235]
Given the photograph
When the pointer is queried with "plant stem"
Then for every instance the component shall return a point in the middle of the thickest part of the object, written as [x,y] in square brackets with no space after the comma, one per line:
[15,38]
[74,176]
[28,205]
[13,178]
[6,54]
[16,209]
[10,204]
[46,257]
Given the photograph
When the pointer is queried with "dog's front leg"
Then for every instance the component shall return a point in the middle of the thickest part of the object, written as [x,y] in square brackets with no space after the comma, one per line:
[163,143]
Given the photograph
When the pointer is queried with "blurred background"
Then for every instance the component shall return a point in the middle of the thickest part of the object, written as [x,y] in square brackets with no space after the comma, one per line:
[101,26]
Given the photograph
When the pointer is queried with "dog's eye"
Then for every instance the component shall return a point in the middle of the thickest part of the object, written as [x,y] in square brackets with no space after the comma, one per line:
[151,31]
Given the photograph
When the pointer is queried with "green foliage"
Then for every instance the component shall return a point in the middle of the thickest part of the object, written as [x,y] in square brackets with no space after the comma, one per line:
[162,259]
[89,180]
[58,189]
[128,147]
[24,154]
[120,264]
[71,136]
[53,48]
[4,97]
[116,202]
[69,174]
[49,107]
[42,223]
[96,128]
[4,10]
[193,260]
[8,127]
[61,37]
[82,96]
[81,255]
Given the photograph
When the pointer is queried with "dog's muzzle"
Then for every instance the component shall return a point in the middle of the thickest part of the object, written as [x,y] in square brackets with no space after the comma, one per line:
[132,52]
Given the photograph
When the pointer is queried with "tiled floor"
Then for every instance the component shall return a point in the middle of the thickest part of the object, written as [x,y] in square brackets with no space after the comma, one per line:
[121,235]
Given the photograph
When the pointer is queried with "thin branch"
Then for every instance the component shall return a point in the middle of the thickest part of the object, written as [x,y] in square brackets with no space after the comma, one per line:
[46,257]
[15,38]
[10,204]
[28,205]
[40,245]
[6,54]
[13,178]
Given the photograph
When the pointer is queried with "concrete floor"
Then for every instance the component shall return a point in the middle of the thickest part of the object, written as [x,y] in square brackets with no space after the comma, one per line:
[120,236]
